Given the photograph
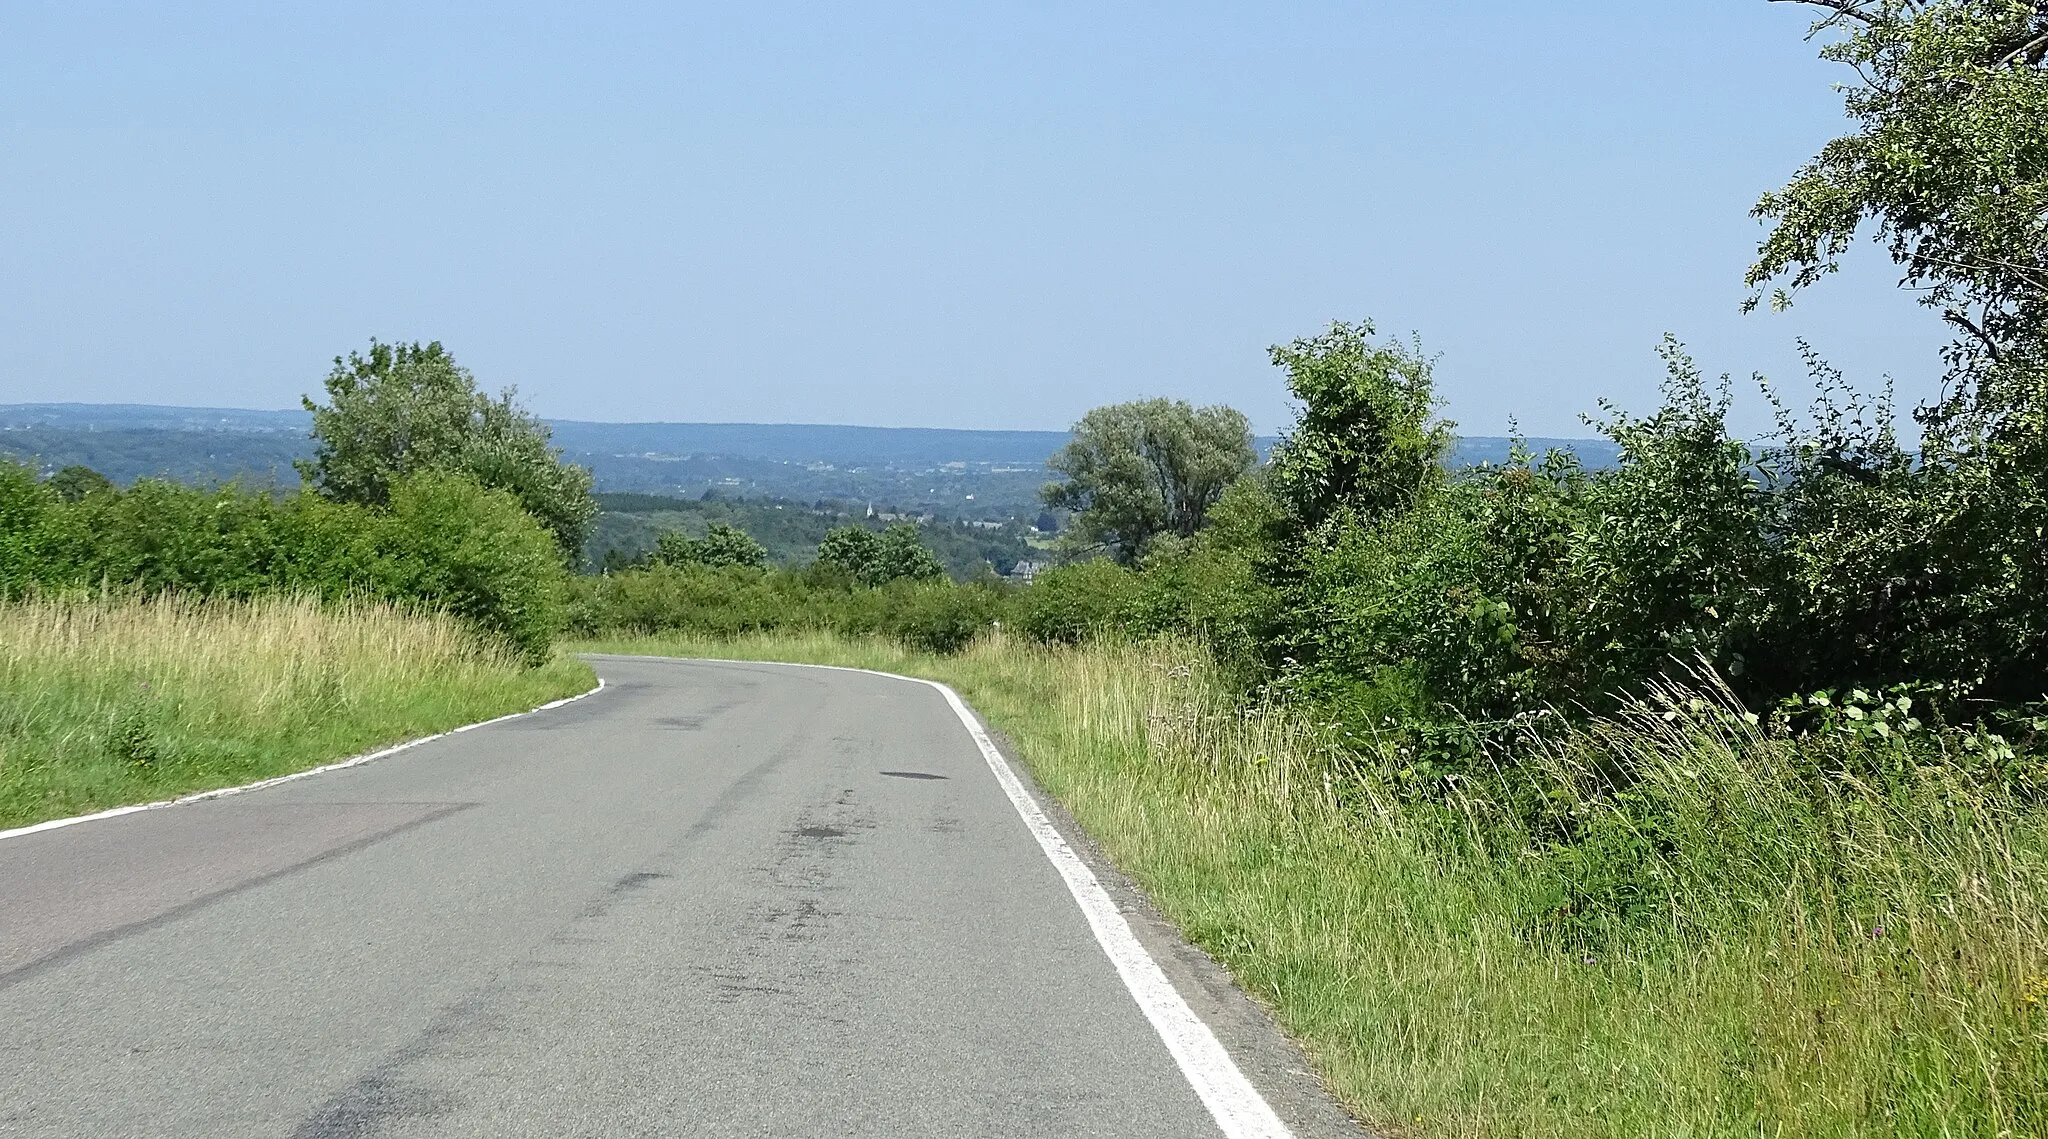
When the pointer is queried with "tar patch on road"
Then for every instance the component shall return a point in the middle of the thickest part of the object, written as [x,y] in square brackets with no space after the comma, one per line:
[914,775]
[384,1096]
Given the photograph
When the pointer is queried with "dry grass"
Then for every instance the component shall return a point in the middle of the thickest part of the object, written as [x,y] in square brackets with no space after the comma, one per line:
[1815,957]
[109,701]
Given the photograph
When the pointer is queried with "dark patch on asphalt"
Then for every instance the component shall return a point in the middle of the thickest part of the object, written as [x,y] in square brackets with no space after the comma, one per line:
[369,1104]
[914,775]
[382,1096]
[682,723]
[803,921]
[819,831]
[625,885]
[636,879]
[737,988]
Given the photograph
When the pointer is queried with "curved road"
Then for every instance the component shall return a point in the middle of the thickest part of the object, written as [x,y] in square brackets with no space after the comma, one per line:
[712,899]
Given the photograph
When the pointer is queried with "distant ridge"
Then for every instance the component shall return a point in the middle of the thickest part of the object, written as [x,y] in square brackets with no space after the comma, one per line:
[811,442]
[112,416]
[777,442]
[982,473]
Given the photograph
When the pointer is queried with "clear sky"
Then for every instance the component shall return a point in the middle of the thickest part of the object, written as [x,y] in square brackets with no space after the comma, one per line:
[955,215]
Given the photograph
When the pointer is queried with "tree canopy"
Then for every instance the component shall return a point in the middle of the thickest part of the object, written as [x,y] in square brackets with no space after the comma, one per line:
[1149,467]
[1949,162]
[410,407]
[723,544]
[76,481]
[1368,440]
[871,558]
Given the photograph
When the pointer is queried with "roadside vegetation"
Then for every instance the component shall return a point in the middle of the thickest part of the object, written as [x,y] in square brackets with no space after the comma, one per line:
[161,638]
[1813,957]
[1698,794]
[113,700]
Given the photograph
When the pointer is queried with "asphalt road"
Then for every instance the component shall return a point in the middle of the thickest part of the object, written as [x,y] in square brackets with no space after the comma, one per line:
[713,899]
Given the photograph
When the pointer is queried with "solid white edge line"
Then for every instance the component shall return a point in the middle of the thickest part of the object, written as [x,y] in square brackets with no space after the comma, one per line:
[223,792]
[1240,1111]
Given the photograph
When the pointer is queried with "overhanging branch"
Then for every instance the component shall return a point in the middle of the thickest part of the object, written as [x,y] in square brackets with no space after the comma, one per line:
[1852,9]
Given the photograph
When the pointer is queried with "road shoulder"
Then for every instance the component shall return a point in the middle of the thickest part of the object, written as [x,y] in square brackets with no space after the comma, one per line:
[1267,1056]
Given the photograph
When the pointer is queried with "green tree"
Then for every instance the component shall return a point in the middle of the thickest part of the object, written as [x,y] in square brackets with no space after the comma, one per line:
[1931,563]
[404,408]
[869,558]
[723,544]
[1368,440]
[76,481]
[1150,467]
[1949,161]
[904,556]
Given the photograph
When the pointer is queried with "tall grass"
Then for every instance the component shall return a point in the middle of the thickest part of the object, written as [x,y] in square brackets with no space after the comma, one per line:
[105,701]
[1787,947]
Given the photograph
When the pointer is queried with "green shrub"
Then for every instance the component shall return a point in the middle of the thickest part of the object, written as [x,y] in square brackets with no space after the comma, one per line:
[1368,441]
[77,481]
[1673,556]
[25,507]
[443,542]
[861,583]
[1832,560]
[451,544]
[406,408]
[1069,604]
[1407,596]
[939,616]
[934,614]
[718,601]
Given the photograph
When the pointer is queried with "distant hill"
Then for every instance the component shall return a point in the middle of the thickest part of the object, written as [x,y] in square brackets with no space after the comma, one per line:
[812,443]
[129,416]
[953,473]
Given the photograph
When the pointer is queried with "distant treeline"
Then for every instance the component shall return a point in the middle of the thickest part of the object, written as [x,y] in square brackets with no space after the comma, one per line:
[629,526]
[997,476]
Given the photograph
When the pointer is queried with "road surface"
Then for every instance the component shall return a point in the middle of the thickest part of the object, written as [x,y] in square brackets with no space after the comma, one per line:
[712,899]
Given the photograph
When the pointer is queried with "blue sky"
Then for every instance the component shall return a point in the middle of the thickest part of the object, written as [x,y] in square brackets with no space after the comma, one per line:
[956,215]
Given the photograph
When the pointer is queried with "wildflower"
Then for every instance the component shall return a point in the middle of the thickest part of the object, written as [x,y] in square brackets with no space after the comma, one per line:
[2033,991]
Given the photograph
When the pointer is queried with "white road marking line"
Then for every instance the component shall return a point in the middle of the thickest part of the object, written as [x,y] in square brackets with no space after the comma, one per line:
[1240,1111]
[223,792]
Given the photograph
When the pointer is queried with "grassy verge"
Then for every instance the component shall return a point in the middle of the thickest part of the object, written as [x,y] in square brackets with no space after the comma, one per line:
[106,702]
[1843,961]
